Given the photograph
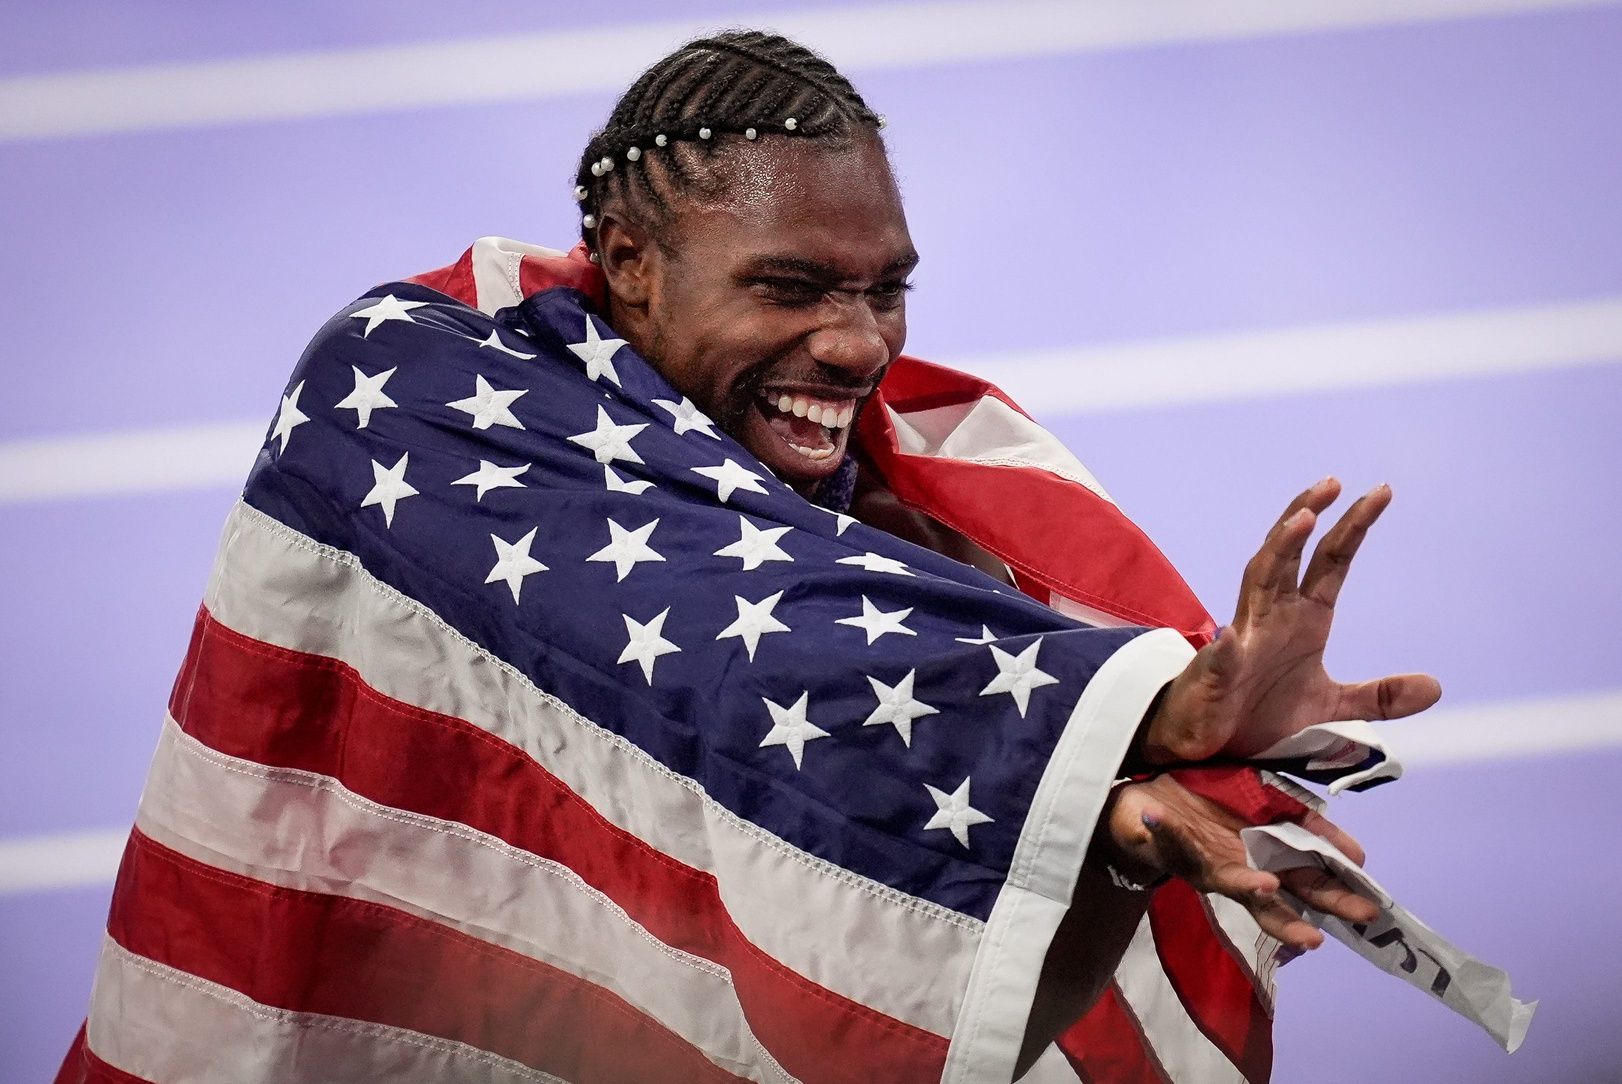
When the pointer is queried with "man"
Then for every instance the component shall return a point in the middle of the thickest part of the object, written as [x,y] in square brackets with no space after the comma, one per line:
[418,815]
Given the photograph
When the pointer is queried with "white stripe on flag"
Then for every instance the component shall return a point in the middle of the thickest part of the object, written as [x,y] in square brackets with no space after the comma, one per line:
[1063,381]
[172,1027]
[1182,1048]
[306,831]
[604,59]
[828,924]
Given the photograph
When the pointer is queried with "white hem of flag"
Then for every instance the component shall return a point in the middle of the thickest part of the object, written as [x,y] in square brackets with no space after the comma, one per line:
[1047,860]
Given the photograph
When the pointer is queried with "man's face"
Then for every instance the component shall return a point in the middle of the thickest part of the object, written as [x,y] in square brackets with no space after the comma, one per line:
[777,307]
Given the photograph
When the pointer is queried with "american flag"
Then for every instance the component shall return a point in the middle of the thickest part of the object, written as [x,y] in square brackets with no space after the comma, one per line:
[532,730]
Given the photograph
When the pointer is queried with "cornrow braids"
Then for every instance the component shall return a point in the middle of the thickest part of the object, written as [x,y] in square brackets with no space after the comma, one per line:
[664,134]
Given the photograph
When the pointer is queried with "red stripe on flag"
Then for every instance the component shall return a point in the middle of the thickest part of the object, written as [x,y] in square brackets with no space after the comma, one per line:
[359,960]
[1214,988]
[1107,1047]
[454,280]
[575,270]
[1049,529]
[290,709]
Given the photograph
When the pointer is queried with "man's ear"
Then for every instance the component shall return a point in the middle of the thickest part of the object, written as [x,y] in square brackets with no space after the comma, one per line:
[631,261]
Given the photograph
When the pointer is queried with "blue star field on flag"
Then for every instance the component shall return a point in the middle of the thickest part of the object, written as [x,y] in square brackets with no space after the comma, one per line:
[539,487]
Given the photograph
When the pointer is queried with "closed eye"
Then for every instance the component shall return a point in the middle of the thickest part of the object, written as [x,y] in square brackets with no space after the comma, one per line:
[789,291]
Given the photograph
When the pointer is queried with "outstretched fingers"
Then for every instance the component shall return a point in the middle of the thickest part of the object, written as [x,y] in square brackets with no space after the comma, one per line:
[1275,568]
[1389,697]
[1332,559]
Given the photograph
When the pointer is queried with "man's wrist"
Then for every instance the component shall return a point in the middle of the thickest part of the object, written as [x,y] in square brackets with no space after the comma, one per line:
[1137,762]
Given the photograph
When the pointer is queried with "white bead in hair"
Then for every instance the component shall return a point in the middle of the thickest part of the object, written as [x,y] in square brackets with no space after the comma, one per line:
[659,140]
[791,124]
[882,121]
[580,193]
[596,169]
[608,163]
[703,133]
[596,258]
[749,133]
[590,222]
[633,154]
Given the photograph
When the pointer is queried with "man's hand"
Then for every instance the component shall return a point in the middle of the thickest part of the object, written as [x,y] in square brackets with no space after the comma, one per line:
[1263,679]
[1159,827]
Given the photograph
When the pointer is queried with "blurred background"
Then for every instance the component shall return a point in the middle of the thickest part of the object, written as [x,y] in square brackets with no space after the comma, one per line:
[1221,248]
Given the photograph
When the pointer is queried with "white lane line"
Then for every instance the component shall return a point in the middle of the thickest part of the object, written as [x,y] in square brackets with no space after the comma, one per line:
[1330,357]
[136,461]
[1509,730]
[1063,382]
[528,66]
[1500,731]
[65,860]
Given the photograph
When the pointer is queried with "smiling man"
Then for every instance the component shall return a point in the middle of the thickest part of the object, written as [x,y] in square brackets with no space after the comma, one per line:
[626,665]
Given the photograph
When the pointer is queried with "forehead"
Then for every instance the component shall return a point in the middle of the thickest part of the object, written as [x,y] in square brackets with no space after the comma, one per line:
[830,203]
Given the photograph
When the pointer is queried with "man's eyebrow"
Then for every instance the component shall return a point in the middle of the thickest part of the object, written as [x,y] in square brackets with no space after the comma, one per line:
[822,272]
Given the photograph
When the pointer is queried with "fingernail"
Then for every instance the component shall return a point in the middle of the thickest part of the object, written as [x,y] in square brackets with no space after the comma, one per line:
[1150,820]
[1220,629]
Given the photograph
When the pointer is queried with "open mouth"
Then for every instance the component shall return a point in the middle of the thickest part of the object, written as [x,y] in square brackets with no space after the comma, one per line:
[814,426]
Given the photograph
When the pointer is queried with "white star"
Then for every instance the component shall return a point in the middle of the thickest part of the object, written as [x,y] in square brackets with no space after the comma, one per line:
[608,441]
[843,521]
[616,484]
[756,546]
[627,548]
[493,341]
[898,706]
[875,622]
[953,811]
[730,477]
[489,406]
[598,353]
[686,417]
[489,476]
[754,621]
[790,728]
[367,396]
[647,643]
[985,637]
[390,308]
[874,563]
[513,562]
[388,486]
[289,417]
[1017,675]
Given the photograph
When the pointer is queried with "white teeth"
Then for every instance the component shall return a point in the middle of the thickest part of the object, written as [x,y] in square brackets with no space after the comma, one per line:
[812,453]
[819,413]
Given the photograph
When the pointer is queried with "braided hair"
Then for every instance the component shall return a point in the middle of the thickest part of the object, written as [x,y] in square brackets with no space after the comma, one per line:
[666,132]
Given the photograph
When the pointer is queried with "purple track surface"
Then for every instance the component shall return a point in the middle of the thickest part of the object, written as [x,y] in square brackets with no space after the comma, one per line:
[171,278]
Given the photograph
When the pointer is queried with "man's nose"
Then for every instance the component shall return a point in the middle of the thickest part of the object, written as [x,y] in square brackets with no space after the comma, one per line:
[850,339]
